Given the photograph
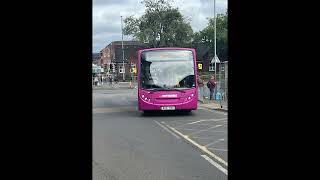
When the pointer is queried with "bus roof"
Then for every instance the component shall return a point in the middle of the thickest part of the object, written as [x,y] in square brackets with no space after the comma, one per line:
[166,48]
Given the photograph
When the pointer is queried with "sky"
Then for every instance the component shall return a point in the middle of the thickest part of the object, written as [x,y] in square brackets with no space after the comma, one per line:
[107,22]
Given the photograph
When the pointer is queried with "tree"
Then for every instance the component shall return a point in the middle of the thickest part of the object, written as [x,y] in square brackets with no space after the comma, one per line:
[160,26]
[206,37]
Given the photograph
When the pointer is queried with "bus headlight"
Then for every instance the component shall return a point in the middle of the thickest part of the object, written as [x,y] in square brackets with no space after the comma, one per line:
[189,97]
[145,98]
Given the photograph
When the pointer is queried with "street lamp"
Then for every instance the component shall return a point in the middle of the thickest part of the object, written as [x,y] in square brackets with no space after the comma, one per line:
[123,70]
[215,59]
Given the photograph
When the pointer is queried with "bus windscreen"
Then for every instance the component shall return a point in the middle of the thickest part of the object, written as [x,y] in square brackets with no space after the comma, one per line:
[167,69]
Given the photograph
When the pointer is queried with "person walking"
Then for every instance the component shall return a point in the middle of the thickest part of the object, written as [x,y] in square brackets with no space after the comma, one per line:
[212,87]
[96,81]
[110,80]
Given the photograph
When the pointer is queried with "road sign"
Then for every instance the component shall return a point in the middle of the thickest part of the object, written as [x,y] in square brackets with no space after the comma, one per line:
[134,70]
[199,66]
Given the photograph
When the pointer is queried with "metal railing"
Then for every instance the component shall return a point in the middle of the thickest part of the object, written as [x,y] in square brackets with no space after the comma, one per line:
[221,91]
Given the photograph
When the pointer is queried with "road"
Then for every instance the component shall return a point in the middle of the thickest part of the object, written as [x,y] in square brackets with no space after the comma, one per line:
[128,145]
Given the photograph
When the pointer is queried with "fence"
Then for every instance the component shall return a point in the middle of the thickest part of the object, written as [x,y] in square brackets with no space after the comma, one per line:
[221,88]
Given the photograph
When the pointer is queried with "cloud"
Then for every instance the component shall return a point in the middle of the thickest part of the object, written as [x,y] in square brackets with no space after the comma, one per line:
[107,24]
[109,2]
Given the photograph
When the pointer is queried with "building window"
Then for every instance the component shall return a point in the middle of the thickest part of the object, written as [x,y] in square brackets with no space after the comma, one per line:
[211,66]
[121,69]
[222,68]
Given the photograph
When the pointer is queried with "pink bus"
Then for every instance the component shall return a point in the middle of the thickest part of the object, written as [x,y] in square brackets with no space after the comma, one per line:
[167,79]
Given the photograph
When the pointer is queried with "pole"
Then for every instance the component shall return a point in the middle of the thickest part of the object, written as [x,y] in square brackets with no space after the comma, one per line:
[215,41]
[123,70]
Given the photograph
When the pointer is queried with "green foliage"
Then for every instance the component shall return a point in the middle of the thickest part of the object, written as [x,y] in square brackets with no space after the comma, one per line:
[206,37]
[160,26]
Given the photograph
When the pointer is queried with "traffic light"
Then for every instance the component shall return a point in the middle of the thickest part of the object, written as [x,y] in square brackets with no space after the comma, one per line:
[114,68]
[133,70]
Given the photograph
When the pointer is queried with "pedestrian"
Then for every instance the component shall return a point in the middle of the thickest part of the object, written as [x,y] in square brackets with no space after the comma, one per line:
[96,81]
[212,87]
[110,80]
[200,87]
[116,79]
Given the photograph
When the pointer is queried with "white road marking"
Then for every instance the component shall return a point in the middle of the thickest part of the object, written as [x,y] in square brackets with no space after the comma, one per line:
[216,149]
[203,148]
[184,120]
[223,121]
[215,164]
[205,129]
[204,120]
[208,137]
[207,120]
[219,140]
[186,129]
[165,128]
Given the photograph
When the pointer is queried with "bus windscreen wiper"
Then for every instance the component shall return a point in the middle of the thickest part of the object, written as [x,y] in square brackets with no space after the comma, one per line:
[176,89]
[166,89]
[157,89]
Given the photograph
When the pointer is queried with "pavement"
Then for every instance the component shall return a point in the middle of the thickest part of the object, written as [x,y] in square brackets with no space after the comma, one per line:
[204,101]
[213,105]
[120,85]
[128,144]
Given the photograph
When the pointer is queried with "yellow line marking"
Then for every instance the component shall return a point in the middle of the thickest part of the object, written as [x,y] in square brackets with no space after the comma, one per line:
[165,128]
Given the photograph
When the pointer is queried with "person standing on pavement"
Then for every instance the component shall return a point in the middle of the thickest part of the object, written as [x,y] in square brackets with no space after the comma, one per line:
[212,87]
[110,80]
[200,87]
[95,80]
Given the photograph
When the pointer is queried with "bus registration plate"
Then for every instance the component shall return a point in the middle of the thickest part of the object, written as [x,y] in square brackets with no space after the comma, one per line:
[168,108]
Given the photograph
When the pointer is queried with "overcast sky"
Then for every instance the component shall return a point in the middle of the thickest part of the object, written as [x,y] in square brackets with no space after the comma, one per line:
[107,22]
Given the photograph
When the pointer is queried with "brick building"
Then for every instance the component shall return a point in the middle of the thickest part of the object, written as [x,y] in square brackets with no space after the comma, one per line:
[112,61]
[204,57]
[96,58]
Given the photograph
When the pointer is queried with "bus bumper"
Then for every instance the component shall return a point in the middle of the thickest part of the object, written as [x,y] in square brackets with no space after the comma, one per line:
[190,105]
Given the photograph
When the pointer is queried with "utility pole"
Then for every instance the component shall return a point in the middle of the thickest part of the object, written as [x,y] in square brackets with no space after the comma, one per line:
[123,69]
[215,41]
